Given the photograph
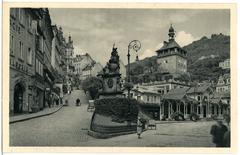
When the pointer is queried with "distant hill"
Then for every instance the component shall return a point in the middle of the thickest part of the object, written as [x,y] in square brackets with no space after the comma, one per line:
[205,54]
[203,57]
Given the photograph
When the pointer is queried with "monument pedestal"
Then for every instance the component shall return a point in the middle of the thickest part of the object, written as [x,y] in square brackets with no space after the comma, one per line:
[113,117]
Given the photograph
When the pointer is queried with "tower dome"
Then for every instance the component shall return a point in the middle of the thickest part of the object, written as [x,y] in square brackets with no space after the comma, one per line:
[171,33]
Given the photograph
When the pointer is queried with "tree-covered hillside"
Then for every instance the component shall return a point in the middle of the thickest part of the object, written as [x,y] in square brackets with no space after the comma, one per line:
[203,57]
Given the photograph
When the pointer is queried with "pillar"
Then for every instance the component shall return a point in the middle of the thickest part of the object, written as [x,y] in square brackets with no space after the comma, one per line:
[177,107]
[169,108]
[197,110]
[215,109]
[201,111]
[160,112]
[163,109]
[184,110]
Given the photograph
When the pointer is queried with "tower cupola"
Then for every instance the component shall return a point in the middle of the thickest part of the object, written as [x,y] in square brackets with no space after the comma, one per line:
[171,33]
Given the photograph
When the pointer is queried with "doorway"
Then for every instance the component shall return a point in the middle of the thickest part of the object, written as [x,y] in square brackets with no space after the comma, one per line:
[18,98]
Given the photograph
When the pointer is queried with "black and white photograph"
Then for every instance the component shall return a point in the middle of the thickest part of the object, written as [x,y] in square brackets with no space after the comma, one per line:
[120,77]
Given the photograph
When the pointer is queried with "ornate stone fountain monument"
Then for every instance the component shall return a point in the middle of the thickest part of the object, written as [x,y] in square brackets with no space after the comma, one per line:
[114,114]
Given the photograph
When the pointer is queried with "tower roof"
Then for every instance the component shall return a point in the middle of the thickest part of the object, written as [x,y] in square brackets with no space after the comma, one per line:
[170,44]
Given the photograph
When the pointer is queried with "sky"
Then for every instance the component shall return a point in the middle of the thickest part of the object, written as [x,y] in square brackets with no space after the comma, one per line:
[94,31]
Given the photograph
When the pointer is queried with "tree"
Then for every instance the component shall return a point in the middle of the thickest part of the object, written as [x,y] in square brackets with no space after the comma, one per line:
[92,85]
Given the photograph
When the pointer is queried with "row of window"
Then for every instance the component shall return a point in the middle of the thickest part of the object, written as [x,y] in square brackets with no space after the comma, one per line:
[223,89]
[151,98]
[21,50]
[39,67]
[19,13]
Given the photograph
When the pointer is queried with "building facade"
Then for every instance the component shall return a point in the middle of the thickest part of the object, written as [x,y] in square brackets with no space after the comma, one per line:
[96,69]
[223,84]
[81,61]
[38,53]
[22,53]
[202,95]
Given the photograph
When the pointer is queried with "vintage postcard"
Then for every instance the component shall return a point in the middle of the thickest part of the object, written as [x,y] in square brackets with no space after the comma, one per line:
[119,77]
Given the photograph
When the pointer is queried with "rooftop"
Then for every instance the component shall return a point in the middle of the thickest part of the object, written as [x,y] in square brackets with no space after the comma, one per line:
[176,94]
[199,89]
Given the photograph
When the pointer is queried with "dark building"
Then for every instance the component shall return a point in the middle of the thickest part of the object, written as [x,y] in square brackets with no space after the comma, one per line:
[23,29]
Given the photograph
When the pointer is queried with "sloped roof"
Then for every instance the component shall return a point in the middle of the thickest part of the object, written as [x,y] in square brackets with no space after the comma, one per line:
[88,67]
[215,100]
[217,97]
[176,94]
[227,75]
[222,95]
[198,89]
[145,89]
[170,44]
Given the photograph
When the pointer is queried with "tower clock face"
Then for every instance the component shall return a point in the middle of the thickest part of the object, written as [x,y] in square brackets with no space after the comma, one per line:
[110,83]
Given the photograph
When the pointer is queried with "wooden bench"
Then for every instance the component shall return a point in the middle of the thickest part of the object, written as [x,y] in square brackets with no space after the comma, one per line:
[152,125]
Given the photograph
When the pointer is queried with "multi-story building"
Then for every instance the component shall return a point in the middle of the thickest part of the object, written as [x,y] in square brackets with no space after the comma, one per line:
[69,56]
[81,61]
[62,47]
[171,57]
[225,64]
[56,49]
[77,64]
[96,69]
[86,72]
[39,82]
[221,99]
[48,71]
[202,95]
[165,86]
[68,59]
[149,99]
[223,84]
[23,27]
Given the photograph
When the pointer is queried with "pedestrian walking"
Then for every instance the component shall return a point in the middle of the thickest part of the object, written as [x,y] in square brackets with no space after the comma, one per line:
[66,102]
[217,131]
[139,127]
[78,102]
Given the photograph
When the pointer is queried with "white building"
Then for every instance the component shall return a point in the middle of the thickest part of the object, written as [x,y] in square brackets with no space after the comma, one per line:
[96,69]
[225,64]
[223,84]
[82,61]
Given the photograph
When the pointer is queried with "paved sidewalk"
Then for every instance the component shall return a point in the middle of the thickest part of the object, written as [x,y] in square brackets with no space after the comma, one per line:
[24,117]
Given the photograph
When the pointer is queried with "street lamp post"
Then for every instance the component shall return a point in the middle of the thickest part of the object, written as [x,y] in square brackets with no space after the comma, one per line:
[134,45]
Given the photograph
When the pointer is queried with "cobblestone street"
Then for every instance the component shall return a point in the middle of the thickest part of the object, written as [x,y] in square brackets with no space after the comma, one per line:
[68,127]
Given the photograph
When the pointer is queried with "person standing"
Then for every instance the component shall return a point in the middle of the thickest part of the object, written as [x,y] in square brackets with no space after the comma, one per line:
[78,102]
[217,131]
[139,127]
[227,135]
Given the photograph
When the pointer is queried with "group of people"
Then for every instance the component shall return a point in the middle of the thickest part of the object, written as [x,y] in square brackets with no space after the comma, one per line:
[78,102]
